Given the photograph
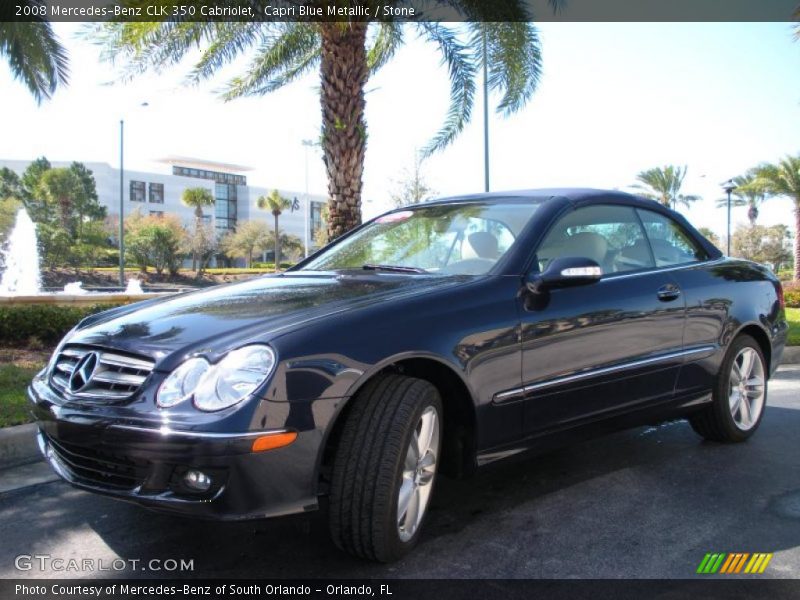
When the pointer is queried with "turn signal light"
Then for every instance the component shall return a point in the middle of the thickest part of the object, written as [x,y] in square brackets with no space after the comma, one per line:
[273,440]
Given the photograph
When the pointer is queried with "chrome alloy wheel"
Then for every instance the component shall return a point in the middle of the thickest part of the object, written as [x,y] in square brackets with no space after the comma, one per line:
[746,388]
[419,470]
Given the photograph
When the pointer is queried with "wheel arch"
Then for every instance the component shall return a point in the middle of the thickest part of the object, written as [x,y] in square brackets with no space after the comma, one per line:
[758,333]
[459,439]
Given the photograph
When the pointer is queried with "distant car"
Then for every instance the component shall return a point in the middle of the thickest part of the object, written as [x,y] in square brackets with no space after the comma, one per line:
[434,339]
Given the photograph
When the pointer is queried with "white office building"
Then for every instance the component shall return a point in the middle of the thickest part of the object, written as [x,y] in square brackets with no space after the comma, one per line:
[160,193]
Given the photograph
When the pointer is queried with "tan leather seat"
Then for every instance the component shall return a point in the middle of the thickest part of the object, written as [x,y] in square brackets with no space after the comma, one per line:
[585,244]
[484,244]
[634,257]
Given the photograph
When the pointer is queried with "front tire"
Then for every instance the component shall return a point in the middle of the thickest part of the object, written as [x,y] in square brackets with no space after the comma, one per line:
[739,395]
[385,467]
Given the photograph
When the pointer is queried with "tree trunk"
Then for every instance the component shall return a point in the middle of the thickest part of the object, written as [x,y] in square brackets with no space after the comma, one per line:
[64,209]
[198,222]
[752,214]
[344,74]
[277,247]
[797,240]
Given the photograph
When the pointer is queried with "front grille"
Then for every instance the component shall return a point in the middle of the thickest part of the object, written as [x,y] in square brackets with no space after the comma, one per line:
[100,468]
[116,377]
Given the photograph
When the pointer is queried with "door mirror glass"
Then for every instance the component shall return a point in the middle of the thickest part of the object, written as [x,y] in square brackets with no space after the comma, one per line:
[567,271]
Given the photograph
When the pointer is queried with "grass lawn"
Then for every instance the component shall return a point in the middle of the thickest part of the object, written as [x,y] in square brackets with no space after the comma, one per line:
[793,316]
[17,368]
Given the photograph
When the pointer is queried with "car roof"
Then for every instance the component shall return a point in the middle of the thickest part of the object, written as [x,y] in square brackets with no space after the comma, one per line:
[576,196]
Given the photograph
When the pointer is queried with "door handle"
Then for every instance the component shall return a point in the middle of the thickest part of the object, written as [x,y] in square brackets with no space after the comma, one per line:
[668,292]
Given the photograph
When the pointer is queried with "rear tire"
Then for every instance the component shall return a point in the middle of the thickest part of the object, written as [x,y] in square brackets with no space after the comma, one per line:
[739,396]
[385,467]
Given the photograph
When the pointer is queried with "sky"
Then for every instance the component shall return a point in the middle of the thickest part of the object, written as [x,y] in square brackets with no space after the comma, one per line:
[614,99]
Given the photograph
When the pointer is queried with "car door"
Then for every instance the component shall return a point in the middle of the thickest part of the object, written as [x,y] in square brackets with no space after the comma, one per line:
[706,311]
[593,350]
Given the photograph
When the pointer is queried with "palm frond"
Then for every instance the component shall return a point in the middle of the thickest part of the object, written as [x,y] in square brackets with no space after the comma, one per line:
[781,179]
[139,47]
[35,56]
[664,184]
[281,58]
[686,199]
[461,67]
[796,26]
[514,59]
[388,38]
[228,42]
[735,201]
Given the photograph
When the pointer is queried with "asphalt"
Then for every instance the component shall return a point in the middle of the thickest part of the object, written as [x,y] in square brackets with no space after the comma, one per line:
[645,503]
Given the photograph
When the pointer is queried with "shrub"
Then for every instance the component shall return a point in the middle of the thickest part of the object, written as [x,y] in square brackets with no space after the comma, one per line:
[270,266]
[155,240]
[46,323]
[791,293]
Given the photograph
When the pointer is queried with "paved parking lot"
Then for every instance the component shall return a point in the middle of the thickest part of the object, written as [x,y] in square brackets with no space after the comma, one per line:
[649,502]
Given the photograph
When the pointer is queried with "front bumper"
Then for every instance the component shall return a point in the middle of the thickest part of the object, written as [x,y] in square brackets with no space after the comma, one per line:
[146,464]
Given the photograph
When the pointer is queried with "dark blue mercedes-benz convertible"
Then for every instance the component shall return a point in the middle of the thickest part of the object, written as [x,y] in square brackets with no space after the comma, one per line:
[433,339]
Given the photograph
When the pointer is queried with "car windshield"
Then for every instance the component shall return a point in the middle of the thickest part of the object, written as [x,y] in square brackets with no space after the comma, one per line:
[448,239]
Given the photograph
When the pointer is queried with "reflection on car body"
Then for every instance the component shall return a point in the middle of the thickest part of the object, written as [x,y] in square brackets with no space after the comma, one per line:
[431,340]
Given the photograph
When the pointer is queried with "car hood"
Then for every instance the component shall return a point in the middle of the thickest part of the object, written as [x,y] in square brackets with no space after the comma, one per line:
[212,321]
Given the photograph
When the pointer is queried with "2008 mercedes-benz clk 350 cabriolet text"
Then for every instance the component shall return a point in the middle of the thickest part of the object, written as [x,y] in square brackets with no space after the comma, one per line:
[433,339]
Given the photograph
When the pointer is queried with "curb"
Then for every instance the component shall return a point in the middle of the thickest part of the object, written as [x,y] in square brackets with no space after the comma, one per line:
[18,445]
[791,355]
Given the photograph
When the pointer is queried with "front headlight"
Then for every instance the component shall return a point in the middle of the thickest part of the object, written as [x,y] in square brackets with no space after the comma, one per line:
[218,386]
[182,382]
[234,378]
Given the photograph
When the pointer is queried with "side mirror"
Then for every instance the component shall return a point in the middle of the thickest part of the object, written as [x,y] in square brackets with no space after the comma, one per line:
[564,272]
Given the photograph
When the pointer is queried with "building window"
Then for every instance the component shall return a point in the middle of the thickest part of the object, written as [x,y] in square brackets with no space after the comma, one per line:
[156,213]
[157,193]
[228,178]
[225,206]
[316,218]
[137,191]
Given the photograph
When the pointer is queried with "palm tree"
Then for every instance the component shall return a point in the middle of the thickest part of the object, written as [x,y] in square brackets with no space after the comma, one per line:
[197,198]
[783,179]
[276,204]
[61,188]
[663,184]
[33,51]
[347,53]
[748,193]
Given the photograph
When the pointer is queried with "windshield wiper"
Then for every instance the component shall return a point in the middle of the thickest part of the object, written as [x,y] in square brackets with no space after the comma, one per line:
[393,268]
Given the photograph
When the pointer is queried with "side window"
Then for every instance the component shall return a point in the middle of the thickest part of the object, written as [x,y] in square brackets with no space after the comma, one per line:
[611,236]
[671,244]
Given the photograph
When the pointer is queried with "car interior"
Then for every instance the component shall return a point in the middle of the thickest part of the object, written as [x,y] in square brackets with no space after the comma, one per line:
[613,237]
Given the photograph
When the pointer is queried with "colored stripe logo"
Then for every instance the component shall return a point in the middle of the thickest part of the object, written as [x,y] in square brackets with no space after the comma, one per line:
[729,563]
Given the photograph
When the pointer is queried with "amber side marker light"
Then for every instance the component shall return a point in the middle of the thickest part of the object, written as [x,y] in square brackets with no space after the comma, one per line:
[273,440]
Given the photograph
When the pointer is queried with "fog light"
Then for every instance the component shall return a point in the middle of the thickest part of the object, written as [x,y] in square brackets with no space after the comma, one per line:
[197,480]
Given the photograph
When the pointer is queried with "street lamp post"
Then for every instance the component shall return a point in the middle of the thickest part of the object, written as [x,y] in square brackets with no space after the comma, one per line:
[729,186]
[122,200]
[121,206]
[307,227]
[485,116]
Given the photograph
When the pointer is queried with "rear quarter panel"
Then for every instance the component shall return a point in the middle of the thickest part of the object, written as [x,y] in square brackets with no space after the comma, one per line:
[723,297]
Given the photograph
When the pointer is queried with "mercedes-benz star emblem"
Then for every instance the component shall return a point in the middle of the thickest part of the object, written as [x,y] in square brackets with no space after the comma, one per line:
[82,374]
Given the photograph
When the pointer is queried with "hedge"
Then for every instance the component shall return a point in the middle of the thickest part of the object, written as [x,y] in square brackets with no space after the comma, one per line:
[43,323]
[791,294]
